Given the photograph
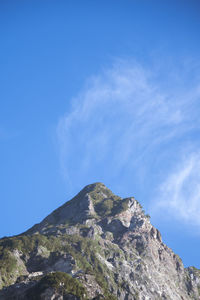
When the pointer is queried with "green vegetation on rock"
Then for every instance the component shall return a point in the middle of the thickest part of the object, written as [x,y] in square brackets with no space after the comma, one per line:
[111,206]
[61,282]
[105,256]
[83,250]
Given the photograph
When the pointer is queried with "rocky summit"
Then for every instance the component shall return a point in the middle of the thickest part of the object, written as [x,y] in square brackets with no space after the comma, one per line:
[95,246]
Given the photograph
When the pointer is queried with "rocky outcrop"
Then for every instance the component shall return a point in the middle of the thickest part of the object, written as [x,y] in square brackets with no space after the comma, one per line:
[105,243]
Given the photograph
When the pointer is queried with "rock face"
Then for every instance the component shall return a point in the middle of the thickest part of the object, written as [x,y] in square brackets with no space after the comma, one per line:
[107,248]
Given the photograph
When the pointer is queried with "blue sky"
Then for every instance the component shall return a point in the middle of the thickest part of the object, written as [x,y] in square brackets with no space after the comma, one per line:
[101,91]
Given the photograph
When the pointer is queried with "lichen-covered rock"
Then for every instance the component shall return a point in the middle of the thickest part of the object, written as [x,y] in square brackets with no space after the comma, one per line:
[105,243]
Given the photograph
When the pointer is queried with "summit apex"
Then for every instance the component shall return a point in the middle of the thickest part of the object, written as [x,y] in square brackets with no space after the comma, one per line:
[95,201]
[96,188]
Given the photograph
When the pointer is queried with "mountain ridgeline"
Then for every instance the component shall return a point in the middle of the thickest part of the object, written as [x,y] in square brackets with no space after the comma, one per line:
[95,246]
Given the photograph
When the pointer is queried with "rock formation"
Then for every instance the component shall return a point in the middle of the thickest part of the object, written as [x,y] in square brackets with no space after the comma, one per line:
[95,246]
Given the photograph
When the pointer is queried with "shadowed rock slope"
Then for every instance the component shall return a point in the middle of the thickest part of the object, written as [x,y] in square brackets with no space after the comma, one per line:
[95,246]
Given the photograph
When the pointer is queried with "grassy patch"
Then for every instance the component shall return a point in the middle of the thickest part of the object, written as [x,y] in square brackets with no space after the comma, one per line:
[61,282]
[83,250]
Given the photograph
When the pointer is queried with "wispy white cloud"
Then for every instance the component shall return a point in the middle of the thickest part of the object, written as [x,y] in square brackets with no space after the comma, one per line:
[122,122]
[179,194]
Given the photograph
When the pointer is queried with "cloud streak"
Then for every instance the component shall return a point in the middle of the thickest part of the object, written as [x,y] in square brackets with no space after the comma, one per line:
[179,194]
[125,127]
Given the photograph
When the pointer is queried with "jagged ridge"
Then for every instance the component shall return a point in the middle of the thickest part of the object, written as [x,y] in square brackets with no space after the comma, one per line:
[106,243]
[93,201]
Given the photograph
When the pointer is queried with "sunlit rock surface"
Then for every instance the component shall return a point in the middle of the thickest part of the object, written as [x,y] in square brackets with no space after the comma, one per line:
[105,244]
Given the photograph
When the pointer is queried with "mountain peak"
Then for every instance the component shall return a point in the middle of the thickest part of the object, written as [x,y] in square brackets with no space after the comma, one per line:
[94,187]
[97,191]
[94,201]
[106,245]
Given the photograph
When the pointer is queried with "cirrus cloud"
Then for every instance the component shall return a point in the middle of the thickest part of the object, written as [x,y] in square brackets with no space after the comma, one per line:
[122,124]
[179,194]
